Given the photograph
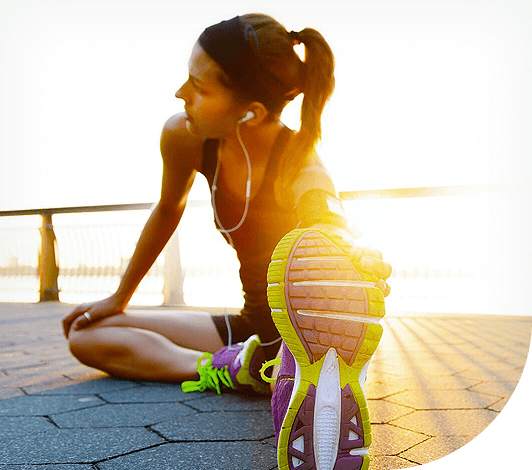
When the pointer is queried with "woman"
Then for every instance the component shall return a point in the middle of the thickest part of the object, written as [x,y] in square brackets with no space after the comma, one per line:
[265,181]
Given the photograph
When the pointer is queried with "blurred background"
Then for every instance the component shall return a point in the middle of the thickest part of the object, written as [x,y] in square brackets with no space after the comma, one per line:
[432,94]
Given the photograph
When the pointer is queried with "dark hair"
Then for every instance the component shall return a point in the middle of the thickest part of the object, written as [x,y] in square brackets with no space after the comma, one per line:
[314,77]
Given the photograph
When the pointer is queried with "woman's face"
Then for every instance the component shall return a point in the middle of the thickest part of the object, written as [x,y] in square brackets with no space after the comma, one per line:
[212,110]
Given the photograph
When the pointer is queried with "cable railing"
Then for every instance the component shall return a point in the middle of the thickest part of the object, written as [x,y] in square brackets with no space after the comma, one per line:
[47,268]
[78,253]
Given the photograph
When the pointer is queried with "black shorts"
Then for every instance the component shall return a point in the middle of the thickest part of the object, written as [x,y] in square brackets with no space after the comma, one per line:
[241,328]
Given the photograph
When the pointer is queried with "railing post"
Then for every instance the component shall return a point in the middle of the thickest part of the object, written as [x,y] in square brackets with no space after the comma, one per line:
[173,273]
[48,270]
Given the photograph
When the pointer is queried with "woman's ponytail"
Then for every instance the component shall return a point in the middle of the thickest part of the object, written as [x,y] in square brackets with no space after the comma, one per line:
[286,75]
[317,86]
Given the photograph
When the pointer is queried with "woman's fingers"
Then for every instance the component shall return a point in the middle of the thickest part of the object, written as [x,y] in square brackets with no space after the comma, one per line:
[376,266]
[384,287]
[85,319]
[71,317]
[87,314]
[358,252]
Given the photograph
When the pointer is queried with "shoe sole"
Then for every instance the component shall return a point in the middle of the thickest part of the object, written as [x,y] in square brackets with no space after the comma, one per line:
[328,314]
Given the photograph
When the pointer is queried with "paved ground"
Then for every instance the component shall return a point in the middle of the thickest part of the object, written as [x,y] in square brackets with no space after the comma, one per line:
[435,383]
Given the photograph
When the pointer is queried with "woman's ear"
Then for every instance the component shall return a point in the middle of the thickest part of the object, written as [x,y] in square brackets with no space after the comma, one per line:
[259,113]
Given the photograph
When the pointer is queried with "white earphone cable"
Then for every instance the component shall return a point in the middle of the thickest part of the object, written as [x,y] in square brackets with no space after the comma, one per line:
[248,189]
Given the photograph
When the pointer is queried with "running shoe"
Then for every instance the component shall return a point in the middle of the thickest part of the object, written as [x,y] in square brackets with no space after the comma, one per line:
[327,312]
[234,367]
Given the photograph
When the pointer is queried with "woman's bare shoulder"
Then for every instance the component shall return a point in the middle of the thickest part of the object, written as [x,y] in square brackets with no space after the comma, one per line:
[178,146]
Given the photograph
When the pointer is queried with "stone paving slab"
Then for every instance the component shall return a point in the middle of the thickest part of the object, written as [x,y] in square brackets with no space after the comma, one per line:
[198,456]
[229,402]
[446,422]
[100,386]
[164,393]
[74,445]
[435,383]
[16,426]
[120,415]
[48,467]
[219,426]
[39,405]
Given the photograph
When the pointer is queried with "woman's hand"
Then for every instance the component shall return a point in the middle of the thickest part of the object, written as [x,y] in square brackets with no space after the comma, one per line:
[85,314]
[368,259]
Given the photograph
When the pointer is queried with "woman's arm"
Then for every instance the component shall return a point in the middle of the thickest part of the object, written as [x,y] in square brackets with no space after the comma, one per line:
[181,154]
[317,205]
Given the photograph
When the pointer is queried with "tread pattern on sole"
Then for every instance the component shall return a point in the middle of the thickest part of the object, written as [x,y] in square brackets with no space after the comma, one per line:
[313,319]
[303,255]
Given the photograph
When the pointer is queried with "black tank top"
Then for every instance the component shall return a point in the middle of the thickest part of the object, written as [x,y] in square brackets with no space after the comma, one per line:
[265,224]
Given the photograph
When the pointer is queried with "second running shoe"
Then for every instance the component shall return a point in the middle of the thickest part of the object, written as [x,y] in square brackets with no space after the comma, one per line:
[327,312]
[232,367]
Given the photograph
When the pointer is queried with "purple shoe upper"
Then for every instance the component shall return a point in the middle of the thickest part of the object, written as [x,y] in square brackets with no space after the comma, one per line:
[249,354]
[225,357]
[235,367]
[283,390]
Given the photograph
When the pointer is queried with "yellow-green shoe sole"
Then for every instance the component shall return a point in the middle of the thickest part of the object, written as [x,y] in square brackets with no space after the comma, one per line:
[321,301]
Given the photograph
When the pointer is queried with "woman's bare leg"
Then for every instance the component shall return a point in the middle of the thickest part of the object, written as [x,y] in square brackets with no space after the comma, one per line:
[147,346]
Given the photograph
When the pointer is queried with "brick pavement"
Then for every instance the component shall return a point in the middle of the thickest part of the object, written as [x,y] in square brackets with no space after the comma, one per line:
[435,383]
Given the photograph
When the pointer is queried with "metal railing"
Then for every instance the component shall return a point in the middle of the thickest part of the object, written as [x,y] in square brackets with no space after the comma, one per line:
[427,191]
[48,269]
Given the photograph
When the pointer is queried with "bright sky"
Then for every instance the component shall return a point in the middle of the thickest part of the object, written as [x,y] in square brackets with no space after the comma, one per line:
[430,92]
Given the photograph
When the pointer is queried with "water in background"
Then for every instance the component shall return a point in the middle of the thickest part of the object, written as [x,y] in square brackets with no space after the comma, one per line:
[453,254]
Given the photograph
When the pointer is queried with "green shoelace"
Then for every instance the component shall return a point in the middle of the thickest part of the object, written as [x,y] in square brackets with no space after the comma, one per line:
[209,377]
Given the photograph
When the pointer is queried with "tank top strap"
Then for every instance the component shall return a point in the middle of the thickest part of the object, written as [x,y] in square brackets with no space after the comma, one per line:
[209,159]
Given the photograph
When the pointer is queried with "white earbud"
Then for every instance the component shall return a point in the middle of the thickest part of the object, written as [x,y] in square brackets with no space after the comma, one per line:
[248,117]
